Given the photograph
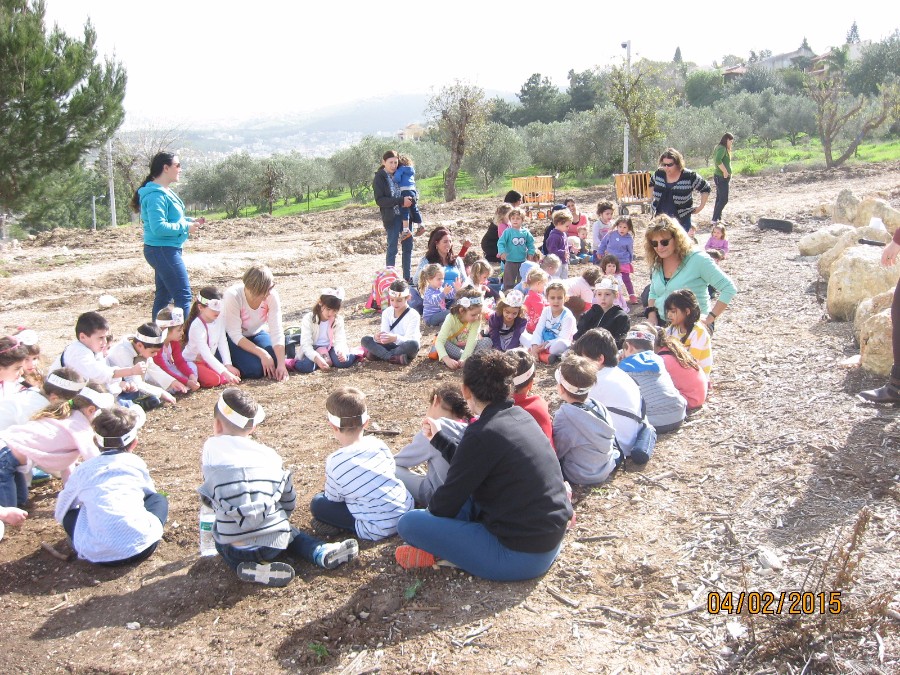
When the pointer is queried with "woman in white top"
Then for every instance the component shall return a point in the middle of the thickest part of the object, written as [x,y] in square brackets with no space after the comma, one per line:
[253,325]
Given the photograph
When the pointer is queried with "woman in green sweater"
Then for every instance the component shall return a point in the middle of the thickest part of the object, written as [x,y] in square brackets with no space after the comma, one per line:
[674,265]
[722,174]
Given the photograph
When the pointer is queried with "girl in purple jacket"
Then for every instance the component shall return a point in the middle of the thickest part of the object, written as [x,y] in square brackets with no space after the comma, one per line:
[507,323]
[619,242]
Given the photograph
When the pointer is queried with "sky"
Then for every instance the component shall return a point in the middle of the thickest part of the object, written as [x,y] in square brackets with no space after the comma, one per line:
[202,61]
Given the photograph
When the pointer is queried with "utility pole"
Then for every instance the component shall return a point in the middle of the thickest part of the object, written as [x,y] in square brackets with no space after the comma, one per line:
[627,47]
[112,184]
[94,199]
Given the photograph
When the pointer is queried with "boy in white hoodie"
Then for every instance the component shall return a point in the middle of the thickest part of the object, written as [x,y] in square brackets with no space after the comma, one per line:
[253,496]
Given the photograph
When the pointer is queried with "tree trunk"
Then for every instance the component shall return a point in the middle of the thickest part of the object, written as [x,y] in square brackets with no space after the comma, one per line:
[452,174]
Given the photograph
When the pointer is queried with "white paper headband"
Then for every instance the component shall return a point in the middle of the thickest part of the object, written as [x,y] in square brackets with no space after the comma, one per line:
[568,386]
[151,339]
[399,294]
[63,383]
[640,335]
[176,320]
[103,442]
[607,284]
[469,302]
[236,418]
[336,421]
[513,299]
[100,399]
[28,337]
[215,304]
[334,292]
[524,377]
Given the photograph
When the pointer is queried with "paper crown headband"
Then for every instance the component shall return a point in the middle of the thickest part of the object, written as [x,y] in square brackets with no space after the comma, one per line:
[399,294]
[640,335]
[151,339]
[568,386]
[336,421]
[215,304]
[469,302]
[334,292]
[123,441]
[176,320]
[236,418]
[100,399]
[607,284]
[513,299]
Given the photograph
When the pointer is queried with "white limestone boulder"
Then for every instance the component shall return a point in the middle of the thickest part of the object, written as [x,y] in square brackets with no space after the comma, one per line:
[870,307]
[877,208]
[845,206]
[856,276]
[876,354]
[816,243]
[847,240]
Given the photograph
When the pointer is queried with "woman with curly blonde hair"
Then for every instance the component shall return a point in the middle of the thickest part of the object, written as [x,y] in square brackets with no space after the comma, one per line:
[674,265]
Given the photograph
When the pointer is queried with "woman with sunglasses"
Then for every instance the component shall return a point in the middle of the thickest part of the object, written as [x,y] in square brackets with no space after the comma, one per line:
[674,188]
[675,266]
[166,228]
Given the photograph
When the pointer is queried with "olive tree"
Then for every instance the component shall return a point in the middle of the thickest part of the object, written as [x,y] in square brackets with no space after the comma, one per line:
[495,150]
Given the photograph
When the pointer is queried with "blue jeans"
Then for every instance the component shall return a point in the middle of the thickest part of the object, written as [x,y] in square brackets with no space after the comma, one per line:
[393,239]
[722,185]
[172,284]
[156,504]
[304,365]
[13,486]
[412,210]
[437,318]
[467,543]
[415,299]
[250,365]
[409,348]
[333,513]
[686,222]
[302,547]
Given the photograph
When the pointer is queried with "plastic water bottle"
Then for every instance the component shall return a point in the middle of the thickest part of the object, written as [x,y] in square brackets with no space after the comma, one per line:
[207,520]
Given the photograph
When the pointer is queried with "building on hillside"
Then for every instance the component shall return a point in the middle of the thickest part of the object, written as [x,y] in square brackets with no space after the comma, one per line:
[821,64]
[734,73]
[411,132]
[787,60]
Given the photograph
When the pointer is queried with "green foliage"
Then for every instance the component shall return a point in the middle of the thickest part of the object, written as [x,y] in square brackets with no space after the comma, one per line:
[585,90]
[273,184]
[412,589]
[757,79]
[494,150]
[595,140]
[541,101]
[694,131]
[319,650]
[880,61]
[704,87]
[63,199]
[677,58]
[640,103]
[56,101]
[503,112]
[354,167]
[853,35]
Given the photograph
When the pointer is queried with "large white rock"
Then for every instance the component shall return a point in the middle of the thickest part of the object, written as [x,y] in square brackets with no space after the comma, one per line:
[850,239]
[877,208]
[877,355]
[816,243]
[845,206]
[855,276]
[870,307]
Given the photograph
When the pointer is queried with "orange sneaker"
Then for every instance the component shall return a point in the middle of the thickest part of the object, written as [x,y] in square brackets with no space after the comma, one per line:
[410,557]
[405,234]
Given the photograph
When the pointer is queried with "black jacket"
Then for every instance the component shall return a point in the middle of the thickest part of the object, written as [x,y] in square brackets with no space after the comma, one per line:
[381,186]
[615,320]
[505,463]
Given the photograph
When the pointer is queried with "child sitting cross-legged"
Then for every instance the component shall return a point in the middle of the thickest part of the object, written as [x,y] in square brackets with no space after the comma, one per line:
[460,334]
[253,496]
[531,403]
[555,329]
[400,334]
[507,323]
[109,507]
[606,313]
[582,429]
[362,492]
[666,407]
[448,405]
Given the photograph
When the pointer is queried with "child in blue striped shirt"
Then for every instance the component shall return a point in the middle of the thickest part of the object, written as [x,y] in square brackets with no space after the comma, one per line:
[362,492]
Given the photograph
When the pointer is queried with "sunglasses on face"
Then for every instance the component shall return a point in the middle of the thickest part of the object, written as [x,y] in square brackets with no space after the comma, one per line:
[668,164]
[655,243]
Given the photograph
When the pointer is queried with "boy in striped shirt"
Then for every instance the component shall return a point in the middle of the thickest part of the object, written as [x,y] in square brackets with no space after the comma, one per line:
[362,492]
[253,496]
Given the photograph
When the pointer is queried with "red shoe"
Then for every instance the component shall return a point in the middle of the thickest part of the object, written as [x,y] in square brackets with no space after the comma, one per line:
[410,557]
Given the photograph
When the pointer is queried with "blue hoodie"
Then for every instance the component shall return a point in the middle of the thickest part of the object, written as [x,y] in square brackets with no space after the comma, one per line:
[162,212]
[405,177]
[665,405]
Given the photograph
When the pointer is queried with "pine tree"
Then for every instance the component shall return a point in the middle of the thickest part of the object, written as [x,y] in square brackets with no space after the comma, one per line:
[853,35]
[677,58]
[805,44]
[56,100]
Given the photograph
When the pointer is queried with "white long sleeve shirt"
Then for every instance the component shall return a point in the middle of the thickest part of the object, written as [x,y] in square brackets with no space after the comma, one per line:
[241,320]
[409,328]
[204,339]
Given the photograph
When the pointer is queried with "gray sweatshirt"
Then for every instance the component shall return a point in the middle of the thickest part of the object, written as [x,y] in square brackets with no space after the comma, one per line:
[585,442]
[421,450]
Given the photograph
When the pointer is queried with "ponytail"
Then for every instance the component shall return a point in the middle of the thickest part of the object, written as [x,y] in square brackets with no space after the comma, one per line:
[159,162]
[136,198]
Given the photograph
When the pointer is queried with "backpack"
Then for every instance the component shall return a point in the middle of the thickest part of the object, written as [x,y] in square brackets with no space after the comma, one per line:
[645,441]
[378,298]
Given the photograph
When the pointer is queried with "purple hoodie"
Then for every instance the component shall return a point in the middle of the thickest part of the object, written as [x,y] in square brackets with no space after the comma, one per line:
[557,243]
[620,246]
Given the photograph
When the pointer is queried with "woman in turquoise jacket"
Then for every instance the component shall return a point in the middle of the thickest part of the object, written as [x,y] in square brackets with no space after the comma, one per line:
[166,228]
[675,266]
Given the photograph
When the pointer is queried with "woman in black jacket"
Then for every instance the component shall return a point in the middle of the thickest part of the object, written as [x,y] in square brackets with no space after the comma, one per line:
[387,196]
[503,510]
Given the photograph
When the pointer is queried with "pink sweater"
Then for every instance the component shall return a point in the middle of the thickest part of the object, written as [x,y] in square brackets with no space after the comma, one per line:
[53,445]
[690,383]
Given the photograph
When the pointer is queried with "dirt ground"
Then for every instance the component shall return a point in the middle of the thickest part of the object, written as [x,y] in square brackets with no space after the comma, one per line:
[783,457]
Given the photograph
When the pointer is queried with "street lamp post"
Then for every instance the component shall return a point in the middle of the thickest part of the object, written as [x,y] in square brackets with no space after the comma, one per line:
[627,47]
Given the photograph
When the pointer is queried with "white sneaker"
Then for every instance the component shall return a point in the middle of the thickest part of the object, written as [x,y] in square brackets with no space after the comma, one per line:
[273,574]
[330,556]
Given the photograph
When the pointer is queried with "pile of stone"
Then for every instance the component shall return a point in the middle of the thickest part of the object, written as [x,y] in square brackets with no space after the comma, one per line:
[860,289]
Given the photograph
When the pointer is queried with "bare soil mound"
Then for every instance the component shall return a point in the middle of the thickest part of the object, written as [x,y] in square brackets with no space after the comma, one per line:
[759,491]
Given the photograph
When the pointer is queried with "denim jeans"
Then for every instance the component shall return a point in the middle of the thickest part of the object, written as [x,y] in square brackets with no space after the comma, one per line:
[13,485]
[721,197]
[409,348]
[247,363]
[302,547]
[393,239]
[172,284]
[467,543]
[415,299]
[686,222]
[413,210]
[437,318]
[333,513]
[156,504]
[304,365]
